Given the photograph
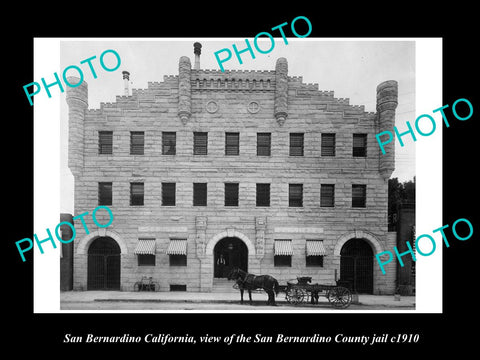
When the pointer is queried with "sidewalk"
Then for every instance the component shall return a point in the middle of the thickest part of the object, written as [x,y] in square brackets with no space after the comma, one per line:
[214,297]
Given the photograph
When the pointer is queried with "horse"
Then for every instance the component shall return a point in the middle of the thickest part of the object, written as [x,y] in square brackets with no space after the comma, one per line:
[249,282]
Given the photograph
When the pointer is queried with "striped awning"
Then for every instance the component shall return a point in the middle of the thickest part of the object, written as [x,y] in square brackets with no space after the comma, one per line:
[315,248]
[283,247]
[145,247]
[177,247]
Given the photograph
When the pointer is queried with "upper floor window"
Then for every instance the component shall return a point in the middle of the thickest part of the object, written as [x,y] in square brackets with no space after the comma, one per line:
[327,195]
[295,195]
[263,195]
[359,145]
[328,145]
[105,142]
[200,194]
[231,194]
[137,142]
[264,143]
[104,193]
[232,143]
[200,141]
[168,194]
[136,193]
[169,140]
[296,144]
[359,196]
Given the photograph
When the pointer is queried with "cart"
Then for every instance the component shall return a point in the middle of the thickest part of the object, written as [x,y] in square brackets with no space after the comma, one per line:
[146,284]
[301,289]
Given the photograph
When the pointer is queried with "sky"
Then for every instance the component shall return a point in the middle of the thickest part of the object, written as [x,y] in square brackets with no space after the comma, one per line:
[350,68]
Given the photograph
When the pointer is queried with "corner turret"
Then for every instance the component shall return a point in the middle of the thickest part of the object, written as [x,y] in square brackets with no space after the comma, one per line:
[387,101]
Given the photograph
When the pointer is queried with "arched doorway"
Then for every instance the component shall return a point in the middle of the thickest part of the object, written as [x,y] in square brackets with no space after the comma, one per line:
[103,264]
[228,253]
[356,265]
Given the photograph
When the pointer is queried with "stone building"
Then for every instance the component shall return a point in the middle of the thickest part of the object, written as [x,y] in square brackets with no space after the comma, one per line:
[208,170]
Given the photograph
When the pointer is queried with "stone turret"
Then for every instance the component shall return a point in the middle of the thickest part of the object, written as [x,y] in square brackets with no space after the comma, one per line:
[184,89]
[387,101]
[281,90]
[77,100]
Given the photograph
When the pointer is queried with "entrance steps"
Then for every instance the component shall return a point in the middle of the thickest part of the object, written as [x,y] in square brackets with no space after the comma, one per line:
[221,285]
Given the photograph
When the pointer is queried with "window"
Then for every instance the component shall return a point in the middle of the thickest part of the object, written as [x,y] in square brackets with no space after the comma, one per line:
[200,140]
[327,195]
[282,252]
[177,251]
[232,145]
[295,195]
[137,142]
[263,194]
[178,260]
[359,196]
[104,193]
[200,194]
[168,194]
[169,143]
[315,251]
[296,144]
[178,287]
[314,261]
[328,145]
[136,193]
[145,251]
[264,142]
[231,194]
[105,142]
[359,145]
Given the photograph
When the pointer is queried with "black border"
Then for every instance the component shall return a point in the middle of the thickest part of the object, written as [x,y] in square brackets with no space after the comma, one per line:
[455,26]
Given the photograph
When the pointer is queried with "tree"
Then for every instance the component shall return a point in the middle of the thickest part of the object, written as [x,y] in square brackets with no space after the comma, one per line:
[399,194]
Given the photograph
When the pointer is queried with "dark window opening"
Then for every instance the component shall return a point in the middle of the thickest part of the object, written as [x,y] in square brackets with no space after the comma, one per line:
[231,194]
[168,194]
[137,142]
[295,195]
[105,142]
[104,193]
[169,143]
[296,144]
[200,141]
[136,193]
[232,143]
[200,194]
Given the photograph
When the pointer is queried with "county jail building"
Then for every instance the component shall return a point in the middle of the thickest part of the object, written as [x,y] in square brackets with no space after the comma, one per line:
[209,170]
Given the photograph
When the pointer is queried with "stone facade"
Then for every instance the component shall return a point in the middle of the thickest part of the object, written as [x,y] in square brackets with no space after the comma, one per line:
[247,102]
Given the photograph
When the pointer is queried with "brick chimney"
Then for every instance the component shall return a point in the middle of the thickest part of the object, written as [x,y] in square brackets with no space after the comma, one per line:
[197,50]
[126,79]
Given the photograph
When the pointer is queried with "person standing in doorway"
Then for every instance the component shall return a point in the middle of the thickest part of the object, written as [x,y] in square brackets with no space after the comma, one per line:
[221,266]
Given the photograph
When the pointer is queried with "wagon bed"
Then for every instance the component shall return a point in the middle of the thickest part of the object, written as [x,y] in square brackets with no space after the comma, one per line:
[301,289]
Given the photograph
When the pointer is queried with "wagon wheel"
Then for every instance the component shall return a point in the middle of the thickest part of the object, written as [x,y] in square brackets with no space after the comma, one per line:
[295,295]
[339,297]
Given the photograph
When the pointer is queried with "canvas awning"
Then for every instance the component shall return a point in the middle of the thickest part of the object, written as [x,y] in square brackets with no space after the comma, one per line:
[145,247]
[315,248]
[283,247]
[177,247]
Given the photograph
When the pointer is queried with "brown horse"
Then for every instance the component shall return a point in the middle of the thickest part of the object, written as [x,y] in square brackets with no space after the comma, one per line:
[249,282]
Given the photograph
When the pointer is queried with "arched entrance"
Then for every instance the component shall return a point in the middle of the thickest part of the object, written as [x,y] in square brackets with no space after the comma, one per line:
[356,265]
[103,266]
[228,253]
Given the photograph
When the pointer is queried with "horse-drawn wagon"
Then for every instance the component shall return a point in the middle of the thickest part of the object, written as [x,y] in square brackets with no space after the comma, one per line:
[301,289]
